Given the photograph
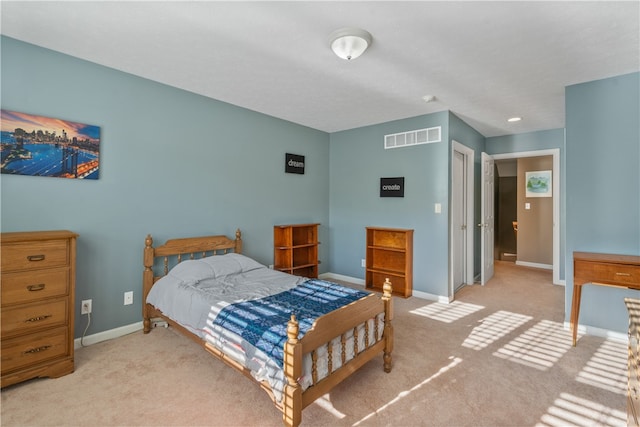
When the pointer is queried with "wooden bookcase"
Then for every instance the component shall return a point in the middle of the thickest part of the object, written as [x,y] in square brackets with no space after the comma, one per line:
[390,255]
[295,249]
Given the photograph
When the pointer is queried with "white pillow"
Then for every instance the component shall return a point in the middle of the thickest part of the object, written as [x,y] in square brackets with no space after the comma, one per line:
[213,266]
[192,270]
[246,263]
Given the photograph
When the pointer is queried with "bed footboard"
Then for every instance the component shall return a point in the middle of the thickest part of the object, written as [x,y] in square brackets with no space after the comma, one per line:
[325,329]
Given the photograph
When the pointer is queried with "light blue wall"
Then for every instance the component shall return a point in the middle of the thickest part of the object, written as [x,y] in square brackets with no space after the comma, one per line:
[603,186]
[357,162]
[535,141]
[173,164]
[176,164]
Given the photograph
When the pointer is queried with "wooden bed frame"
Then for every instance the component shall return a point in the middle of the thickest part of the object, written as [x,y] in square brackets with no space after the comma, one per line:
[326,328]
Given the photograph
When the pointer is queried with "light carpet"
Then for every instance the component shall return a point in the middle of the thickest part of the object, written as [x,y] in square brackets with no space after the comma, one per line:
[497,356]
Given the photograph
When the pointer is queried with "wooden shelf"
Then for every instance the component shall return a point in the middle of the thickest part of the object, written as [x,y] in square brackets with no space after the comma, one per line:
[295,249]
[390,255]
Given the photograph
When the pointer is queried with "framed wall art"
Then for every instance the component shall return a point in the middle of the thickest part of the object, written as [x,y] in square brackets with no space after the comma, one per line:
[392,187]
[294,163]
[43,146]
[538,184]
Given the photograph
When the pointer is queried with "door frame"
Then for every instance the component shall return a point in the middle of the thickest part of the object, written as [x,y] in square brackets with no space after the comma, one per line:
[469,155]
[555,153]
[487,217]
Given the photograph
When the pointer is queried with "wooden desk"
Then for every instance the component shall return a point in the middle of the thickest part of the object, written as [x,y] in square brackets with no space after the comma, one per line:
[620,271]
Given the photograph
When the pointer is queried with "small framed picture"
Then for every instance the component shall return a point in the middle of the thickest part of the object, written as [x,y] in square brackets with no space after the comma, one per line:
[294,163]
[392,187]
[538,184]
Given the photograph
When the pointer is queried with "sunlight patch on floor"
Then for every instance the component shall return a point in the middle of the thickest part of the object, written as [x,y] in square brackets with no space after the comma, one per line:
[539,347]
[325,403]
[447,313]
[493,328]
[454,362]
[575,411]
[607,368]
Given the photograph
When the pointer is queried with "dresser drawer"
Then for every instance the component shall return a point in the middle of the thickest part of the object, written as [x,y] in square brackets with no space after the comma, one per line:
[30,255]
[28,318]
[617,273]
[34,348]
[28,286]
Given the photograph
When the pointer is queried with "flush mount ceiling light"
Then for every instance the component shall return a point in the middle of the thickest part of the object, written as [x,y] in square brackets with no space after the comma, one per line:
[349,43]
[514,119]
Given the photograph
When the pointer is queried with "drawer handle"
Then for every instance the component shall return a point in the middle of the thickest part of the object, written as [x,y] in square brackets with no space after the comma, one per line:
[623,274]
[38,318]
[37,349]
[35,288]
[36,257]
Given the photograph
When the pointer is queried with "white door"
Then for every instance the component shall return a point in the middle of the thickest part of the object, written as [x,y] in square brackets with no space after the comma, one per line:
[458,213]
[487,218]
[461,218]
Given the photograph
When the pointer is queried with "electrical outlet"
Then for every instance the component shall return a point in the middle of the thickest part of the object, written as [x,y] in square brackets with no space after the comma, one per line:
[363,263]
[128,298]
[85,308]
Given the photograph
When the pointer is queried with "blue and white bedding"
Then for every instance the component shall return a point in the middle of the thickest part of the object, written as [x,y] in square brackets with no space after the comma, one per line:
[219,299]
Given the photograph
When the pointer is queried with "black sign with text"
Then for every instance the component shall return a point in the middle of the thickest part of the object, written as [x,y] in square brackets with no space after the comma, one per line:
[294,163]
[392,187]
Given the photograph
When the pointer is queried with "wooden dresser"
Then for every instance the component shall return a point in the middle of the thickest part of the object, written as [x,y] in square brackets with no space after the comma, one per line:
[37,308]
[620,271]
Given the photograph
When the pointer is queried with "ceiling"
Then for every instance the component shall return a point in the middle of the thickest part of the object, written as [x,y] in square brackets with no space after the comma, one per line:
[484,61]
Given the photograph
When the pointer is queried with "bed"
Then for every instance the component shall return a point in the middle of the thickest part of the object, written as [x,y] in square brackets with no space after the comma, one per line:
[207,289]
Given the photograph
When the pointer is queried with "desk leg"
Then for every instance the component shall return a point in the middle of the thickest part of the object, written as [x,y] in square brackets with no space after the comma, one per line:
[575,311]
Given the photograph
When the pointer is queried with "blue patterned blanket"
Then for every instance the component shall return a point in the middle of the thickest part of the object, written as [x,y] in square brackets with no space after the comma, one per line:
[263,322]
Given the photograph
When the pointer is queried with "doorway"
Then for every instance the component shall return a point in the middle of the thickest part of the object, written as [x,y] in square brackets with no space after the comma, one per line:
[555,182]
[506,191]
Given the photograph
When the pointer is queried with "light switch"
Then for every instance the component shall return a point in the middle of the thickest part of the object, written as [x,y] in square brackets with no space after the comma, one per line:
[438,208]
[527,206]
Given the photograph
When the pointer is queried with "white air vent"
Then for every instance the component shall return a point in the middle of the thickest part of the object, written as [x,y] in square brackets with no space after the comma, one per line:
[413,137]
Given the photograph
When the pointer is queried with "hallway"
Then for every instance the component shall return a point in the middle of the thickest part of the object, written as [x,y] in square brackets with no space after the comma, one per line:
[522,289]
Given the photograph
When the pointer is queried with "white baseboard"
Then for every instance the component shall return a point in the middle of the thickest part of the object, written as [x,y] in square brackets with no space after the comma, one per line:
[329,276]
[107,335]
[431,297]
[535,265]
[135,327]
[599,332]
[355,280]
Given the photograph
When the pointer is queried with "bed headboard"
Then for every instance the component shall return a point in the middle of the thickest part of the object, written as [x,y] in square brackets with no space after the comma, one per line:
[177,250]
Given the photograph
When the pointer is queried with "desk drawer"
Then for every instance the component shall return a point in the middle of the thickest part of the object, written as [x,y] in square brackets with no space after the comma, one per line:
[25,319]
[34,348]
[605,272]
[31,255]
[28,286]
